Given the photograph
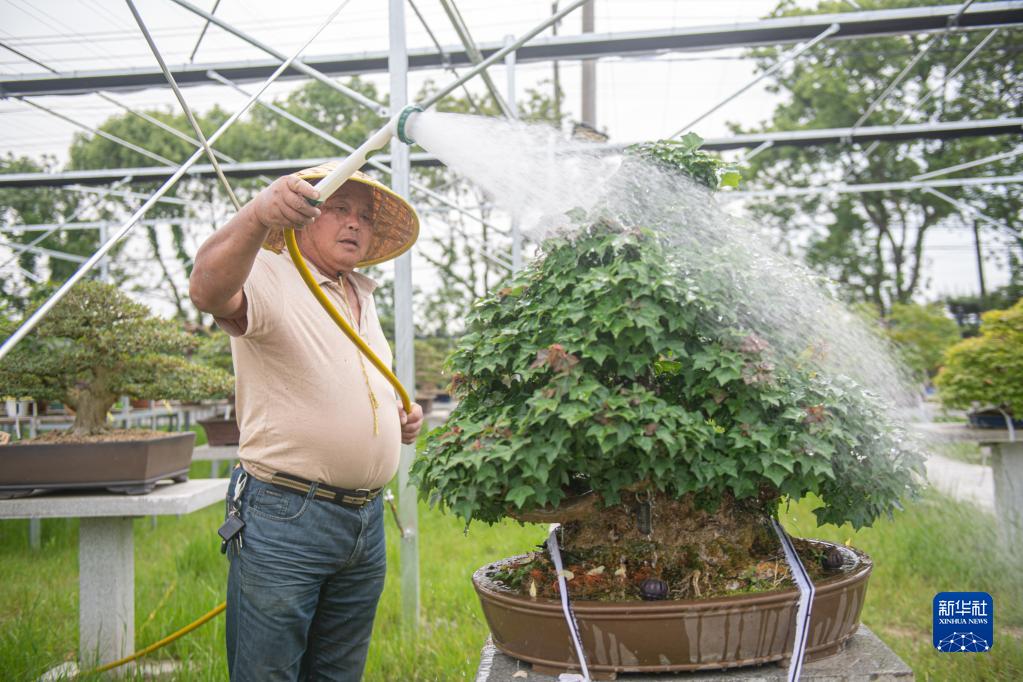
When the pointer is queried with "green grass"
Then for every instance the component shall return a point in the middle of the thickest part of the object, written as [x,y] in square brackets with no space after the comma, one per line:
[936,545]
[964,451]
[933,546]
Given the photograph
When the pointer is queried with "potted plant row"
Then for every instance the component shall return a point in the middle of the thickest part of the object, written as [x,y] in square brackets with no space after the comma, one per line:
[612,389]
[94,346]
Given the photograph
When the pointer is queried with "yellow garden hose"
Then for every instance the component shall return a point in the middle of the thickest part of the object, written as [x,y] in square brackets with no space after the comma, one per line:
[314,287]
[162,643]
[307,276]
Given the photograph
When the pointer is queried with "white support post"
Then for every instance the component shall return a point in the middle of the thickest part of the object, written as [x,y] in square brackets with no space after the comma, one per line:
[1007,472]
[509,68]
[404,329]
[106,590]
[104,263]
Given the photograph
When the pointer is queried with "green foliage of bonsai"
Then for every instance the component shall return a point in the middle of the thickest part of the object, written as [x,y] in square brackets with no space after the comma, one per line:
[987,369]
[96,345]
[609,366]
[922,333]
[685,156]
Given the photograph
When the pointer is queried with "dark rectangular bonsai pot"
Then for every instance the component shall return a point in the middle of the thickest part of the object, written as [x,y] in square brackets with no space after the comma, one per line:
[220,431]
[991,419]
[131,467]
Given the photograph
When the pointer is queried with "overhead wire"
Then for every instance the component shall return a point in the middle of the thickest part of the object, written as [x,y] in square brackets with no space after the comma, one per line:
[184,105]
[202,33]
[101,133]
[29,324]
[445,58]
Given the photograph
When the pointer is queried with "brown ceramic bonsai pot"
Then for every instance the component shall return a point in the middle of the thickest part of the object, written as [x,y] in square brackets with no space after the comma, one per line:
[132,467]
[666,636]
[221,431]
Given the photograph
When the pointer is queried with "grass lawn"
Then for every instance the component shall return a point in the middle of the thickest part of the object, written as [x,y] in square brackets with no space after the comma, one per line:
[962,450]
[180,574]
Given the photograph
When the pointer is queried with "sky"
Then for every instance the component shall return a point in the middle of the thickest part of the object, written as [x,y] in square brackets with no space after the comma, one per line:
[637,98]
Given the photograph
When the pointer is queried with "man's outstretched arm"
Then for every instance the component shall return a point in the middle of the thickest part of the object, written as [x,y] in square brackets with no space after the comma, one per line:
[223,262]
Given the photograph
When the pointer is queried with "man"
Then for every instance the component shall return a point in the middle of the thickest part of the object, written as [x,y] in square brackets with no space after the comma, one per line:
[319,430]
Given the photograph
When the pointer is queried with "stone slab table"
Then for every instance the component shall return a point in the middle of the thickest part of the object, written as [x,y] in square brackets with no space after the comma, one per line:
[1006,470]
[215,454]
[865,657]
[106,558]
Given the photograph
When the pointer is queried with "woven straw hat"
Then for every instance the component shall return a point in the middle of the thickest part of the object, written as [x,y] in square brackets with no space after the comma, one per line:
[395,223]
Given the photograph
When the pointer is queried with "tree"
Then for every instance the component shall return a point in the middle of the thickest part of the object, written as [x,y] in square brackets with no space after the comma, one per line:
[987,369]
[96,345]
[26,207]
[873,242]
[617,372]
[922,333]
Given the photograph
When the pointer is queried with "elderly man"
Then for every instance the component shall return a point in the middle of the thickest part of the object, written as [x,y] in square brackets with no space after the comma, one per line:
[320,433]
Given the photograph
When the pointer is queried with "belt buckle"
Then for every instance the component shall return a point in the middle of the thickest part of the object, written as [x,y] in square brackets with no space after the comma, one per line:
[359,501]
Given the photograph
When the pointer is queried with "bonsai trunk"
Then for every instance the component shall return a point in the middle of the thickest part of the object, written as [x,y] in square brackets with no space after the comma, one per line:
[91,403]
[675,540]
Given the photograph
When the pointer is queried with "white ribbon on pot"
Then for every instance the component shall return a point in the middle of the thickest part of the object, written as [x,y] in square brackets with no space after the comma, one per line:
[573,627]
[806,592]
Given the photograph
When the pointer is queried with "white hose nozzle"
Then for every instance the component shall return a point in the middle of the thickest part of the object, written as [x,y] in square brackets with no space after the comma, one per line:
[357,159]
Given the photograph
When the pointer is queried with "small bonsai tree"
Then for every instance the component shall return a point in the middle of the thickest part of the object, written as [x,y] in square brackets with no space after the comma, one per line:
[96,345]
[610,388]
[987,369]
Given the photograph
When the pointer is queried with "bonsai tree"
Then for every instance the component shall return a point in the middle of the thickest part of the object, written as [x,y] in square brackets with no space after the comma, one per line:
[611,388]
[987,369]
[96,345]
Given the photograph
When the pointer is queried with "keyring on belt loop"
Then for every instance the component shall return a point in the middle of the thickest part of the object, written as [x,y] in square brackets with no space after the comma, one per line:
[239,485]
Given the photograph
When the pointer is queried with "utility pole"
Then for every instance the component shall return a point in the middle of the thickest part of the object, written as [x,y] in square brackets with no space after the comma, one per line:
[589,85]
[980,257]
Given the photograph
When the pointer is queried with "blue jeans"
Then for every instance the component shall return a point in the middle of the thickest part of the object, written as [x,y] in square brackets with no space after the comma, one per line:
[303,587]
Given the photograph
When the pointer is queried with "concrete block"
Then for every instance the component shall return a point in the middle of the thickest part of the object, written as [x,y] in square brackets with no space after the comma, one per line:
[106,590]
[1007,470]
[865,657]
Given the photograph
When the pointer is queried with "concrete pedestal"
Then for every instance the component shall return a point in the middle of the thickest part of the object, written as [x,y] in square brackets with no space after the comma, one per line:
[106,560]
[864,658]
[1007,468]
[106,590]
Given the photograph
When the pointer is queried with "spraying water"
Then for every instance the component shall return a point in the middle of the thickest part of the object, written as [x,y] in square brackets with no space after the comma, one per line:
[537,176]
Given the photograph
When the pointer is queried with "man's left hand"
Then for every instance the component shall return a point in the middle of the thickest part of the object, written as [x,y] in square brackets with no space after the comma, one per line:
[411,423]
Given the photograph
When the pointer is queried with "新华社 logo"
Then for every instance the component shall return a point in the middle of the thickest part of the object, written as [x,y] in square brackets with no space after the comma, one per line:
[964,622]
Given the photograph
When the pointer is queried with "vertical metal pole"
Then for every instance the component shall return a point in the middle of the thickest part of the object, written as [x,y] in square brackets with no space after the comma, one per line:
[509,68]
[980,257]
[104,263]
[589,85]
[557,75]
[404,330]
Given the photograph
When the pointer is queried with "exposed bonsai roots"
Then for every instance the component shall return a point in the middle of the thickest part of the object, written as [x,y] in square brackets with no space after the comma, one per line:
[699,553]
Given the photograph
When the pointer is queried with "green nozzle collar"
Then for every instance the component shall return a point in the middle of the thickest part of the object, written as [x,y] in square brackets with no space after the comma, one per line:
[403,119]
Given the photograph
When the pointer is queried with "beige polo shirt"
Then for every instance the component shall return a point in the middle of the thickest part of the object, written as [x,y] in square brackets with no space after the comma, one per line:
[302,401]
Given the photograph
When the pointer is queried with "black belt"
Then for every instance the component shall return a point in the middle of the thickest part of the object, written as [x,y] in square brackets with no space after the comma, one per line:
[341,496]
